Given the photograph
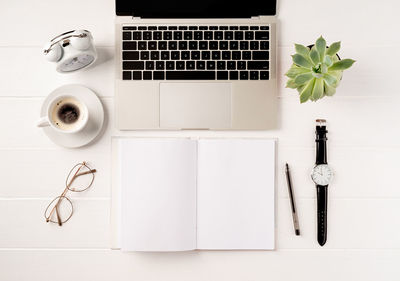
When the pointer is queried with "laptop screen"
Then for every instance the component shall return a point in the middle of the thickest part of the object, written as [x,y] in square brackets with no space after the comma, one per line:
[195,9]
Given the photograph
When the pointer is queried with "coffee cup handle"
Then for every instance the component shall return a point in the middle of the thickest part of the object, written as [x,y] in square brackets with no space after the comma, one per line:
[43,122]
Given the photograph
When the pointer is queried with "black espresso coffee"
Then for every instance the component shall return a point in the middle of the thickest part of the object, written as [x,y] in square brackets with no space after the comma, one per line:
[68,113]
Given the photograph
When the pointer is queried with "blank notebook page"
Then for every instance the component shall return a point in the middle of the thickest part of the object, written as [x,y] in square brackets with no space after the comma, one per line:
[158,189]
[235,194]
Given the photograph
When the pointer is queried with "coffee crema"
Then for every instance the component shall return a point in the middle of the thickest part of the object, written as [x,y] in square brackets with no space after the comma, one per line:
[67,114]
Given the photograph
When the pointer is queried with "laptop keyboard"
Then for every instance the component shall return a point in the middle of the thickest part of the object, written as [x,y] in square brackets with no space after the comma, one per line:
[195,52]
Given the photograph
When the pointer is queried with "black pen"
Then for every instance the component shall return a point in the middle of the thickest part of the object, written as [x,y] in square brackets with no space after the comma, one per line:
[292,202]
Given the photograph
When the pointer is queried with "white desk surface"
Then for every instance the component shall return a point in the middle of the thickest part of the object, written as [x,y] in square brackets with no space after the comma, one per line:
[364,206]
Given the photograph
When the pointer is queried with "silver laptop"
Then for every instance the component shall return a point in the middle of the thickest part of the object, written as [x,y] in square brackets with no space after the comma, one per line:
[207,64]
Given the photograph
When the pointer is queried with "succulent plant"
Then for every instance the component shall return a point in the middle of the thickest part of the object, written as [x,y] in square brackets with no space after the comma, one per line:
[316,72]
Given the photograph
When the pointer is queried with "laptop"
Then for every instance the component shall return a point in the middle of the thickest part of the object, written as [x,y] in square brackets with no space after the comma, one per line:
[207,64]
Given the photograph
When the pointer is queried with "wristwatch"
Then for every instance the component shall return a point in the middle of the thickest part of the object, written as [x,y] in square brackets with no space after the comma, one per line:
[321,175]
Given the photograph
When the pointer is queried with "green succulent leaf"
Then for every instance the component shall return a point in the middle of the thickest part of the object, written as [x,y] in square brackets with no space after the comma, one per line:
[301,61]
[318,90]
[291,84]
[330,79]
[306,92]
[328,61]
[302,50]
[342,65]
[295,70]
[333,49]
[314,55]
[303,78]
[321,47]
[329,90]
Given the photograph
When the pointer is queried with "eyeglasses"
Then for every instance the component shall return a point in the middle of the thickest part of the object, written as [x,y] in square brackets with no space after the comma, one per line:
[79,179]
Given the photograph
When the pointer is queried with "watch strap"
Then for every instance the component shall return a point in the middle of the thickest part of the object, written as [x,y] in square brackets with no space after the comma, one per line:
[320,140]
[322,213]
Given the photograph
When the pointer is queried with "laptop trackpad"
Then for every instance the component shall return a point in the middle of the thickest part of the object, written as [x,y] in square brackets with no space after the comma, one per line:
[195,105]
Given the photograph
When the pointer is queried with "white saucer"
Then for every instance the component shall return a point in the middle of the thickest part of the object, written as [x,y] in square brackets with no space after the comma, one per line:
[95,122]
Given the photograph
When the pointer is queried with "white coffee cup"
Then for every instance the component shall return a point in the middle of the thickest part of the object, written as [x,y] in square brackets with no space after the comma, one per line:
[65,114]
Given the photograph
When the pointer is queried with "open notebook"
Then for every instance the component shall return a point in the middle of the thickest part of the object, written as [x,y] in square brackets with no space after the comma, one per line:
[183,194]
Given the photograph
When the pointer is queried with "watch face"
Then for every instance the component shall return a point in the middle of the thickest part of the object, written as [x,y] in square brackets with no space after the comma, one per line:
[322,174]
[76,63]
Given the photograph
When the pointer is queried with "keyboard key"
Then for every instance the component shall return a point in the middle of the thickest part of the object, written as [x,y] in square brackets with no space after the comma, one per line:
[126,35]
[185,55]
[178,35]
[233,45]
[198,35]
[152,27]
[162,45]
[130,55]
[200,65]
[152,45]
[241,65]
[165,55]
[126,75]
[223,45]
[260,55]
[157,35]
[172,28]
[147,75]
[160,65]
[129,45]
[142,45]
[142,27]
[253,75]
[195,55]
[249,35]
[244,28]
[264,45]
[238,35]
[221,65]
[136,75]
[254,27]
[175,55]
[226,55]
[261,35]
[170,65]
[190,65]
[162,28]
[264,75]
[236,55]
[137,35]
[210,65]
[180,65]
[203,27]
[246,55]
[183,45]
[182,28]
[213,28]
[223,27]
[228,35]
[155,55]
[244,45]
[231,65]
[222,75]
[158,75]
[192,45]
[208,35]
[149,65]
[255,65]
[233,28]
[253,45]
[147,35]
[218,35]
[233,75]
[172,45]
[205,55]
[190,75]
[216,55]
[129,28]
[144,55]
[244,75]
[203,45]
[167,35]
[193,28]
[264,27]
[213,45]
[188,35]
